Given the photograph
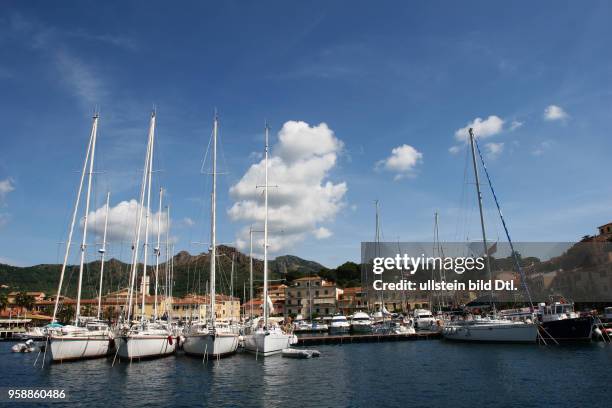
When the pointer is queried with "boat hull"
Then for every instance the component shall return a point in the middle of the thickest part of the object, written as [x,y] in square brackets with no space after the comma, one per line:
[339,329]
[568,330]
[141,347]
[493,333]
[70,348]
[220,345]
[267,344]
[361,328]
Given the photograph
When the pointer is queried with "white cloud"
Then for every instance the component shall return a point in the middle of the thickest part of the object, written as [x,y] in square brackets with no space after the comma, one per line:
[80,77]
[554,112]
[6,186]
[482,128]
[122,220]
[188,222]
[402,161]
[454,149]
[494,149]
[542,147]
[322,233]
[516,124]
[300,164]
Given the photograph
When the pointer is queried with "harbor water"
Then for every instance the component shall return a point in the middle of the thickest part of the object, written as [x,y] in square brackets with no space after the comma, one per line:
[428,373]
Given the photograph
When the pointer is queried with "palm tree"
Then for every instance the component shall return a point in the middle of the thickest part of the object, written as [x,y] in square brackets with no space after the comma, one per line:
[24,301]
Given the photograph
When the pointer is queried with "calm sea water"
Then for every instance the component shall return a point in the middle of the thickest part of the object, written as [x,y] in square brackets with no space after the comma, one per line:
[430,373]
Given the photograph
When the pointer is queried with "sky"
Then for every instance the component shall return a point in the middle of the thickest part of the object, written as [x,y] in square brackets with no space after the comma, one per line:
[364,103]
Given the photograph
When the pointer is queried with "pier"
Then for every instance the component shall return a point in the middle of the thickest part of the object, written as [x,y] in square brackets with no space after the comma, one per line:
[366,338]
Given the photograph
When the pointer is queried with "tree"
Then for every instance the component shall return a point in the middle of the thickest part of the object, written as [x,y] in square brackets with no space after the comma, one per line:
[66,314]
[3,301]
[24,301]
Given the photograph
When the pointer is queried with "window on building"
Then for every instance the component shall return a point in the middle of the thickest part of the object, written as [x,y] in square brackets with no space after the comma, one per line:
[317,293]
[326,310]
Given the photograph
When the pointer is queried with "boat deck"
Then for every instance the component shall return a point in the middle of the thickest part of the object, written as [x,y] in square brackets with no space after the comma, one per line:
[366,338]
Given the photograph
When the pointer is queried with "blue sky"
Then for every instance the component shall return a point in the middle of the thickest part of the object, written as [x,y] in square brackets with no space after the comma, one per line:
[379,77]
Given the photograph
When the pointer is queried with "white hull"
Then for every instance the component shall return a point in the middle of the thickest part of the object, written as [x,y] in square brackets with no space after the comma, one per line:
[66,348]
[267,345]
[507,332]
[223,344]
[145,346]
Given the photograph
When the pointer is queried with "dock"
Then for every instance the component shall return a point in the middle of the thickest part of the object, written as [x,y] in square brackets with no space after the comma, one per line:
[366,338]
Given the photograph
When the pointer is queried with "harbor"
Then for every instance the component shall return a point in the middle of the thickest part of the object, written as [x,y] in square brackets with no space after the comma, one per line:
[308,340]
[410,373]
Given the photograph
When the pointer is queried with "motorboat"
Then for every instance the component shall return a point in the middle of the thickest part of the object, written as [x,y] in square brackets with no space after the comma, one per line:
[339,325]
[361,322]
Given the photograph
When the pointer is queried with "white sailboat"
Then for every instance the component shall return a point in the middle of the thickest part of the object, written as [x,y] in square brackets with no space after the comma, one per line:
[491,329]
[83,339]
[144,339]
[267,339]
[212,338]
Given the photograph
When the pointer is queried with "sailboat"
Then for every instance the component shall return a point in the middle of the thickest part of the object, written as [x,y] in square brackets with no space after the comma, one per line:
[267,339]
[212,338]
[492,328]
[144,339]
[84,339]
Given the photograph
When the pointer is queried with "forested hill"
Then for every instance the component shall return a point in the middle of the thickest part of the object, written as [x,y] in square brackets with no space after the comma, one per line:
[191,273]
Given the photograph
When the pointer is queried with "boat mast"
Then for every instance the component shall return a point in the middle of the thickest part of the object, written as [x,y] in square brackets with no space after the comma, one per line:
[85,219]
[102,252]
[265,245]
[213,225]
[139,220]
[168,270]
[157,251]
[232,278]
[482,223]
[251,271]
[377,253]
[72,223]
[146,242]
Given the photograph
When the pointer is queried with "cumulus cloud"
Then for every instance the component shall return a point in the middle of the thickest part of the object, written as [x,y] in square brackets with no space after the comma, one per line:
[6,186]
[482,128]
[299,164]
[402,162]
[454,149]
[188,222]
[554,112]
[322,233]
[122,221]
[494,149]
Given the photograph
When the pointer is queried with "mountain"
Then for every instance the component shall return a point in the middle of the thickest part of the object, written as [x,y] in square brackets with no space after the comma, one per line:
[191,272]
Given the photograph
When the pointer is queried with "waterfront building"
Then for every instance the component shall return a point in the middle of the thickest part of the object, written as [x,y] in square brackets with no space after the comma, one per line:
[312,295]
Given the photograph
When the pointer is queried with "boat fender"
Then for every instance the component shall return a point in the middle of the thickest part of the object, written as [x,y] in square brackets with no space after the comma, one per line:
[111,343]
[170,340]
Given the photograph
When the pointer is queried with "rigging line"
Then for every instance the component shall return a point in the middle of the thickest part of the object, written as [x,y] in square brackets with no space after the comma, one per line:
[501,216]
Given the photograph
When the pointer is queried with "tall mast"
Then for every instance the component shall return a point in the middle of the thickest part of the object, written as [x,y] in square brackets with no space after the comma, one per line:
[102,252]
[213,225]
[146,242]
[157,251]
[232,278]
[94,127]
[85,219]
[482,223]
[377,249]
[265,245]
[251,270]
[136,245]
[168,271]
